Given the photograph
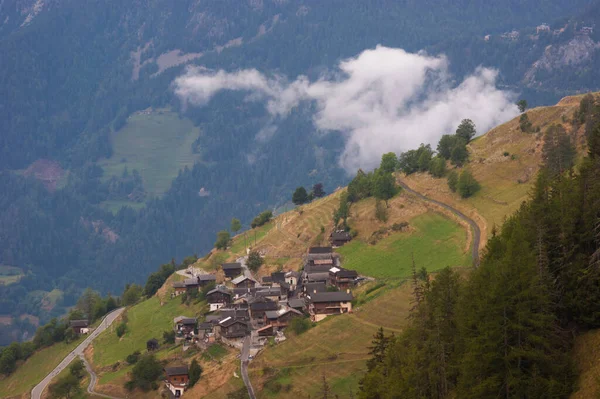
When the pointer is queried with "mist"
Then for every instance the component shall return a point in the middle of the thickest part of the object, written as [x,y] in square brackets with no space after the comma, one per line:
[384,99]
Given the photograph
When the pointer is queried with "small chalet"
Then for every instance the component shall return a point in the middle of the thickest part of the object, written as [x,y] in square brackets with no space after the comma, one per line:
[177,379]
[259,307]
[277,278]
[179,287]
[232,270]
[342,278]
[292,278]
[218,298]
[191,284]
[231,328]
[267,280]
[271,293]
[80,326]
[280,317]
[185,325]
[206,331]
[339,238]
[152,345]
[323,304]
[320,256]
[206,279]
[243,282]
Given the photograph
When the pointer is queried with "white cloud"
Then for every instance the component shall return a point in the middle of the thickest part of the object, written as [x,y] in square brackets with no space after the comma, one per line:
[383,100]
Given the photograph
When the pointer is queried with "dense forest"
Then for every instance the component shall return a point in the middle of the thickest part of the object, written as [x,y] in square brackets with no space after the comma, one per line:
[506,329]
[66,86]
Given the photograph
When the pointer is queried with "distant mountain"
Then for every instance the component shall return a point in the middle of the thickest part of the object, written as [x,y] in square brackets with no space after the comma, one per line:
[74,72]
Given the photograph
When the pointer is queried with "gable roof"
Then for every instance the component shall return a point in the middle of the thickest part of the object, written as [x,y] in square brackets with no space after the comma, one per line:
[320,250]
[341,296]
[278,276]
[231,266]
[347,273]
[176,370]
[296,303]
[79,323]
[184,320]
[228,322]
[220,289]
[267,305]
[190,281]
[179,284]
[275,314]
[312,287]
[291,274]
[206,277]
[240,279]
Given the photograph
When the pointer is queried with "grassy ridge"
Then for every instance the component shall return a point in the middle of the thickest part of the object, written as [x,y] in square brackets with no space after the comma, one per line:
[436,243]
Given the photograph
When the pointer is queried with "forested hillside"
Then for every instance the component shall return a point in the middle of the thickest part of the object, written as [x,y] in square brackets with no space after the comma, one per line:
[74,72]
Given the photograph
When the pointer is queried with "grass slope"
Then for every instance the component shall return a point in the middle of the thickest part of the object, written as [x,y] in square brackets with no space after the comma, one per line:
[146,320]
[337,348]
[35,369]
[158,145]
[436,243]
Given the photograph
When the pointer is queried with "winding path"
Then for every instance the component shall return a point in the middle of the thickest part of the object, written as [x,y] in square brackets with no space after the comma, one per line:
[244,367]
[36,392]
[93,380]
[471,222]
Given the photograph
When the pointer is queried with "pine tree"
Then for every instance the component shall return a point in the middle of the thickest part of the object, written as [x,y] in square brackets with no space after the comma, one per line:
[377,351]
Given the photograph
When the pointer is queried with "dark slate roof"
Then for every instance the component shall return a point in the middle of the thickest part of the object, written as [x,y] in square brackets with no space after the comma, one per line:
[79,323]
[206,277]
[191,281]
[188,321]
[176,370]
[347,274]
[341,236]
[296,303]
[268,291]
[231,266]
[321,276]
[316,268]
[340,296]
[311,287]
[178,284]
[278,276]
[268,305]
[320,250]
[235,313]
[213,318]
[229,322]
[292,274]
[267,279]
[205,326]
[220,289]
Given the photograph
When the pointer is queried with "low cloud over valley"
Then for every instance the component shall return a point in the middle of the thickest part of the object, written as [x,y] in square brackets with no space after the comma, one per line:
[384,99]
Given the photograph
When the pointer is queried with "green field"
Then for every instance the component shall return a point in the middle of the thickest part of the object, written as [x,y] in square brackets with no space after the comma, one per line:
[146,320]
[436,242]
[35,369]
[158,145]
[10,274]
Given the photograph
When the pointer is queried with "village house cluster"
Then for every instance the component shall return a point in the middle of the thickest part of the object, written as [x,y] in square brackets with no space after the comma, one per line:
[243,307]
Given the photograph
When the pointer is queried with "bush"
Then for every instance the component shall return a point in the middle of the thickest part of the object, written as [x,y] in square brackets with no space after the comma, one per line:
[121,329]
[300,325]
[453,181]
[381,211]
[223,239]
[169,337]
[255,261]
[506,153]
[437,167]
[145,372]
[133,357]
[399,226]
[195,372]
[262,219]
[467,185]
[76,368]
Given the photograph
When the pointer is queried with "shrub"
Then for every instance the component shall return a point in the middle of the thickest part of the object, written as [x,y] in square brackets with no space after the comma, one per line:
[453,181]
[133,357]
[262,219]
[300,325]
[381,211]
[467,185]
[399,226]
[195,372]
[506,153]
[255,261]
[169,337]
[121,329]
[223,239]
[145,372]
